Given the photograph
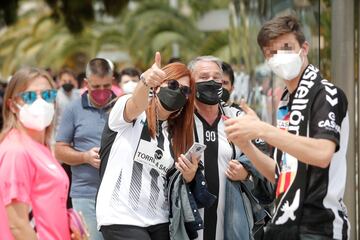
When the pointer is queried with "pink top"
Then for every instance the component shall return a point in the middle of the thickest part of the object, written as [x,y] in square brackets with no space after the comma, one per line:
[5,233]
[30,174]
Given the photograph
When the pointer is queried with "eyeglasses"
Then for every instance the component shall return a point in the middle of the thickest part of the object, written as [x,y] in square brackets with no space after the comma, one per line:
[174,85]
[30,96]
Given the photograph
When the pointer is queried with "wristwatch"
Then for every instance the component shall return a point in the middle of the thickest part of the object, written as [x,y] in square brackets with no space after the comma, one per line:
[248,176]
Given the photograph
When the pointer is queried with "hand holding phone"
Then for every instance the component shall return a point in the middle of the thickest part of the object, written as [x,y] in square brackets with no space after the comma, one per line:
[185,164]
[195,150]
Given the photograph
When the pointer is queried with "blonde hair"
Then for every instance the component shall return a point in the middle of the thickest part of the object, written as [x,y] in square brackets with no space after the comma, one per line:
[18,83]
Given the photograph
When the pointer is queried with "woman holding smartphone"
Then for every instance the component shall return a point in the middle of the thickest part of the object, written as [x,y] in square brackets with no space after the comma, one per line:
[144,137]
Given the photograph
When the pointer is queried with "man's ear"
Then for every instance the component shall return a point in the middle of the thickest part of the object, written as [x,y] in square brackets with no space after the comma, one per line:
[86,82]
[305,47]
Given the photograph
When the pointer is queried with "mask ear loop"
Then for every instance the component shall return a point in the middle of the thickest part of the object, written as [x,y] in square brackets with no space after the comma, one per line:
[302,59]
[177,113]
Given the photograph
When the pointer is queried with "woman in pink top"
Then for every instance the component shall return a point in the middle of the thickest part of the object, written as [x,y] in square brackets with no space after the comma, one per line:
[31,179]
[5,233]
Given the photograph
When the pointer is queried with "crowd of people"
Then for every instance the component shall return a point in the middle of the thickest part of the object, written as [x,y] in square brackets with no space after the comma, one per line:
[107,149]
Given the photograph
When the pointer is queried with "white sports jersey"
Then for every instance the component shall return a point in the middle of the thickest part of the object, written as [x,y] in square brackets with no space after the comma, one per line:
[133,169]
[215,159]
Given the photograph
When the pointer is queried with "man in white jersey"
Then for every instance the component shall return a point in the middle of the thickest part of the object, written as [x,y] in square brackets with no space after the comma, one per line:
[310,141]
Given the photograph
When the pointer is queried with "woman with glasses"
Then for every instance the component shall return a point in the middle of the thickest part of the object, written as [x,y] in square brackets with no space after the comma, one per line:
[147,132]
[33,184]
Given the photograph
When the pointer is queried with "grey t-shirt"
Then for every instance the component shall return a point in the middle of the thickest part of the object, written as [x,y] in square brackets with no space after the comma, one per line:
[81,125]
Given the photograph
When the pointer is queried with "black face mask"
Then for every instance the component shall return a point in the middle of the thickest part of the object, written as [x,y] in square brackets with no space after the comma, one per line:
[225,95]
[208,92]
[171,100]
[67,87]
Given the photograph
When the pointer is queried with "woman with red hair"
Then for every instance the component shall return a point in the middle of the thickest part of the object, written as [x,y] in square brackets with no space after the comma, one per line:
[147,132]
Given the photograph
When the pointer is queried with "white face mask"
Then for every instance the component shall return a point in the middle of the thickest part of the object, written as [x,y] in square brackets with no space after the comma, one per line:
[38,115]
[129,87]
[286,65]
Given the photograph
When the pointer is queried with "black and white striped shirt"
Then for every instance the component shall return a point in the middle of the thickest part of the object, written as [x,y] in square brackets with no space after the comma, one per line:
[133,172]
[215,159]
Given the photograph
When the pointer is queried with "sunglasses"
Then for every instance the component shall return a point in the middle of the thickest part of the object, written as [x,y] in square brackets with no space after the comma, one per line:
[30,96]
[174,85]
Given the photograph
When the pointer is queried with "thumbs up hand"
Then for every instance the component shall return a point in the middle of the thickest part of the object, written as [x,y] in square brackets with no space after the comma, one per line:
[157,60]
[248,110]
[245,127]
[154,76]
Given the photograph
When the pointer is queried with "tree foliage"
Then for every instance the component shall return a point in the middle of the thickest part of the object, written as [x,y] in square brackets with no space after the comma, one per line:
[76,14]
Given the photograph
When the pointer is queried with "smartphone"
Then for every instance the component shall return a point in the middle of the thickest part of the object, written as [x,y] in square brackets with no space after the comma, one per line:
[195,150]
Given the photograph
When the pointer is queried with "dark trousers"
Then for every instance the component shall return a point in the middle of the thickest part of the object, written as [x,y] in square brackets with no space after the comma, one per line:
[129,232]
[313,237]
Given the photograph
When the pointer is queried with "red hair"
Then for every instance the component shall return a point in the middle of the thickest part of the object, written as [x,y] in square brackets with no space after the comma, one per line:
[180,126]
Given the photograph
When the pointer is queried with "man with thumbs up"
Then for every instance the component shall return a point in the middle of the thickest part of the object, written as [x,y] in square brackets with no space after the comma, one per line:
[310,140]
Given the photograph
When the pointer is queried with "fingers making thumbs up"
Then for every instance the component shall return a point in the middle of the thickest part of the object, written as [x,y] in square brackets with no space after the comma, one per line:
[247,109]
[157,62]
[154,76]
[244,127]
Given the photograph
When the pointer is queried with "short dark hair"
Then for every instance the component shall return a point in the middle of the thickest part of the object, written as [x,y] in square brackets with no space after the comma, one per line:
[227,70]
[174,59]
[80,78]
[66,71]
[132,72]
[100,67]
[279,26]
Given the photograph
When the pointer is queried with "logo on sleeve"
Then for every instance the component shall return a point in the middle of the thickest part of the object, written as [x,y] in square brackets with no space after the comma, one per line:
[330,124]
[331,92]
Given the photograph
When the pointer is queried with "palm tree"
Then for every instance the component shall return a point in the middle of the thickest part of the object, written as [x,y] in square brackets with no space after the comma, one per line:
[153,27]
[39,41]
[36,39]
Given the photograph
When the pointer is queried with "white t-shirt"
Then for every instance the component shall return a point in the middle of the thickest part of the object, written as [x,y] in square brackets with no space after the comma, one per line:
[133,187]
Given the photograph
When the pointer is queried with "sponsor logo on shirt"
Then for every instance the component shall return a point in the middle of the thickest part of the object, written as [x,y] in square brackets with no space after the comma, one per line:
[283,118]
[149,154]
[330,124]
